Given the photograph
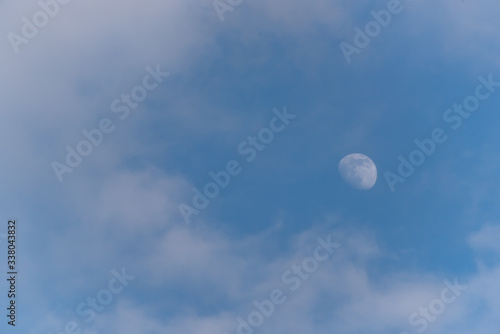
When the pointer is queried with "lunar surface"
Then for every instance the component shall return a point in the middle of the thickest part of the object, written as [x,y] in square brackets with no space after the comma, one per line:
[358,170]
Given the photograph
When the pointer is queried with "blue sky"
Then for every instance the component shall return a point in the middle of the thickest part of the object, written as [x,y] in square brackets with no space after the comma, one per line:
[118,209]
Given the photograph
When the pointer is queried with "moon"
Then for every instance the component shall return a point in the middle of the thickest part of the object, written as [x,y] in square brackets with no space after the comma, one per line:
[358,170]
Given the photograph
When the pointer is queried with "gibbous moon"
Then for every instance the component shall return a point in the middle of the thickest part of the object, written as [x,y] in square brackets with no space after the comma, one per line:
[358,170]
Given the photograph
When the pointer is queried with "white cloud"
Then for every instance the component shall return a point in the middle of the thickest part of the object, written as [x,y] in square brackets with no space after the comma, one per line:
[486,239]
